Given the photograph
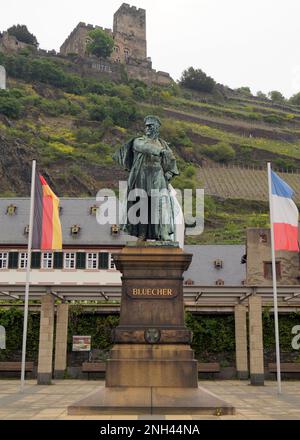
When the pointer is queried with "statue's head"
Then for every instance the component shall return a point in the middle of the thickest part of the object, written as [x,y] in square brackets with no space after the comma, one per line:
[152,126]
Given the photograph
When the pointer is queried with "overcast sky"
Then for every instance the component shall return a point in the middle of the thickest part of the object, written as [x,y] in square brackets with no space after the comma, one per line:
[253,43]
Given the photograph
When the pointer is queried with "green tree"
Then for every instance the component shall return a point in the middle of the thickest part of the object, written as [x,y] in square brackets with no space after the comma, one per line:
[10,105]
[262,95]
[221,152]
[21,33]
[101,44]
[196,79]
[245,91]
[295,99]
[276,96]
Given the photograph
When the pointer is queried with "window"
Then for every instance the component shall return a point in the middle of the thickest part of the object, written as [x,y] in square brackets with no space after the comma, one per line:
[111,262]
[268,270]
[13,260]
[58,260]
[80,260]
[115,229]
[11,210]
[263,238]
[218,264]
[3,260]
[36,260]
[69,260]
[47,260]
[23,260]
[93,210]
[92,260]
[75,229]
[103,260]
[220,282]
[189,282]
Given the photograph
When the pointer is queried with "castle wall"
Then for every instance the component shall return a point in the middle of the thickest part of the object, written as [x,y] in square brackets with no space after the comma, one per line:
[130,33]
[78,39]
[131,21]
[9,43]
[149,76]
[128,47]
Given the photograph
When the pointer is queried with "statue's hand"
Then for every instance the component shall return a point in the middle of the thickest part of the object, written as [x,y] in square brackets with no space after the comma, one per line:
[167,154]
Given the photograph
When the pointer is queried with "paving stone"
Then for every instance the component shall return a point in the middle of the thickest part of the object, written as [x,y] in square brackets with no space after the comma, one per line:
[51,402]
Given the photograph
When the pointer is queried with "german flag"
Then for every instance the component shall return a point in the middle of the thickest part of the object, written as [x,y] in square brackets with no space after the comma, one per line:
[46,233]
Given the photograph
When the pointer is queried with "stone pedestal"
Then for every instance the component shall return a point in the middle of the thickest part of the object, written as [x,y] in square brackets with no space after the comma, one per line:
[241,349]
[44,373]
[257,376]
[61,340]
[152,343]
[151,368]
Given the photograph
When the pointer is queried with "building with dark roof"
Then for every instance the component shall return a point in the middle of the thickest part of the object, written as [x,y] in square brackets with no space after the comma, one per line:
[88,246]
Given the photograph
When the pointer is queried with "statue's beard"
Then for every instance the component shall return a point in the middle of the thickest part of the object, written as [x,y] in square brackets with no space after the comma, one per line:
[153,134]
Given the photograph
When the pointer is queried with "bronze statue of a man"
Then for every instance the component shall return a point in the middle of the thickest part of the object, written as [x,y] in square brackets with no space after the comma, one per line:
[151,164]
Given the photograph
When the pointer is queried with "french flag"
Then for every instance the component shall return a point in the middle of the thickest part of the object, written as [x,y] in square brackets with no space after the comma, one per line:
[284,215]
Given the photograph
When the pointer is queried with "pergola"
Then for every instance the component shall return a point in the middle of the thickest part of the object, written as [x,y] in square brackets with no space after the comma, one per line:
[242,301]
[201,299]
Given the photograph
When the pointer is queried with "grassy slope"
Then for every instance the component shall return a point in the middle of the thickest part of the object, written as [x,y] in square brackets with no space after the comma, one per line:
[74,149]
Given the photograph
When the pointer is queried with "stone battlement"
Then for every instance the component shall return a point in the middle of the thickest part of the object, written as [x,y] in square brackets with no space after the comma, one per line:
[125,7]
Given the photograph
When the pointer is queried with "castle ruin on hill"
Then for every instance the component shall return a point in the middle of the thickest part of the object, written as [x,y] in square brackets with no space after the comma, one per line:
[129,53]
[130,48]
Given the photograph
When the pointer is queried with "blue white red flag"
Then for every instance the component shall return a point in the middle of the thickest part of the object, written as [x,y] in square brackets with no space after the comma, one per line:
[285,215]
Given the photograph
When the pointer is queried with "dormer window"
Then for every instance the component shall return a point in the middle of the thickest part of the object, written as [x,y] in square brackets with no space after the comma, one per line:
[26,230]
[75,229]
[218,264]
[115,229]
[220,282]
[93,210]
[189,282]
[11,210]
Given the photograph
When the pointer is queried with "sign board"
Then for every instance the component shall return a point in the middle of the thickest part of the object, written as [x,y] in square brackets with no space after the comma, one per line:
[81,343]
[2,338]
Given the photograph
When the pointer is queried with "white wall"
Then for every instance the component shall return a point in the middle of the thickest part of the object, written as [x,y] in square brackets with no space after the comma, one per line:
[61,276]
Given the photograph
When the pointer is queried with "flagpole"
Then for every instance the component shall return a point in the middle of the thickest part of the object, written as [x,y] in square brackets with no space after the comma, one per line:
[274,283]
[28,275]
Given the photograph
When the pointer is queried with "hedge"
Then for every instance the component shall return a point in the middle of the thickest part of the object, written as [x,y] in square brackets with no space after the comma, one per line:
[213,335]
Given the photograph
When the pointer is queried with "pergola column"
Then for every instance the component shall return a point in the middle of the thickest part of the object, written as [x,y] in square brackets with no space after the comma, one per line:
[44,375]
[241,349]
[60,363]
[256,341]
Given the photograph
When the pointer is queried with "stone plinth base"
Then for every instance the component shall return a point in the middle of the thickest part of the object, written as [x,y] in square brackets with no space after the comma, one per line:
[142,365]
[151,400]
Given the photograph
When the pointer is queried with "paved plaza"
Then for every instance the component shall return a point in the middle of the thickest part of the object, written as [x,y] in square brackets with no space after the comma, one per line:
[50,402]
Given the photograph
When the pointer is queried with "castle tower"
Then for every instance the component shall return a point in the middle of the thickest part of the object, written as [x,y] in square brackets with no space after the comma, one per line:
[129,33]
